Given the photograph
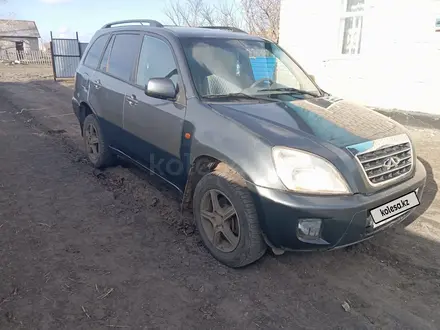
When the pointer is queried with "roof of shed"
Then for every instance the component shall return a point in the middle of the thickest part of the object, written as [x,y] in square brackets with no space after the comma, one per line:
[18,28]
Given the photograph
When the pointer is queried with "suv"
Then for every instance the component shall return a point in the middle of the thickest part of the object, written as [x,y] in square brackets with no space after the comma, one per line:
[262,155]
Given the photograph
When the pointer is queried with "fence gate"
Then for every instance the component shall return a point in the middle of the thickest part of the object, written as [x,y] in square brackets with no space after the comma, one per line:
[66,54]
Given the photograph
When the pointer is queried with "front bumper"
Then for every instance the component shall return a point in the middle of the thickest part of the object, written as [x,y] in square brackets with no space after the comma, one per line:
[345,219]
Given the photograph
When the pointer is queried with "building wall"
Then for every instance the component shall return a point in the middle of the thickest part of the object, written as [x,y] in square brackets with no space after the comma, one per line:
[399,61]
[8,43]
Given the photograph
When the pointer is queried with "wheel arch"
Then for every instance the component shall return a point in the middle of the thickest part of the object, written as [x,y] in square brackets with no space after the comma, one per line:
[84,110]
[204,164]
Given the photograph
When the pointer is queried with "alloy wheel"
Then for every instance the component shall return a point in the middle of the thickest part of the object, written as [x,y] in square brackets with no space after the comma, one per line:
[92,141]
[220,221]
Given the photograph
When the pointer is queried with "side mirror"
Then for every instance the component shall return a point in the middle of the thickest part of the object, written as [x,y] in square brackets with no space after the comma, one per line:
[161,88]
[312,77]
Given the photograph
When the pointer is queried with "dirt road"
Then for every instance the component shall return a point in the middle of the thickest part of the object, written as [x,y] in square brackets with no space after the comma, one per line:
[81,249]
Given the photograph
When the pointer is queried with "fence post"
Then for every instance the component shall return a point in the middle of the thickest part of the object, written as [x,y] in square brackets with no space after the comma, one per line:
[79,46]
[53,57]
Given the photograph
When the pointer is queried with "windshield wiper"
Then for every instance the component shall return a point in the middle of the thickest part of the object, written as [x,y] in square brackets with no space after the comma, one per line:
[288,90]
[235,96]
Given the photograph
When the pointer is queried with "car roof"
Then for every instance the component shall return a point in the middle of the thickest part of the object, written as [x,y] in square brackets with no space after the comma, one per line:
[177,31]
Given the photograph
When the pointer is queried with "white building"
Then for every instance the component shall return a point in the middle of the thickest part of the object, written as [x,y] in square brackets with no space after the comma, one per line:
[381,53]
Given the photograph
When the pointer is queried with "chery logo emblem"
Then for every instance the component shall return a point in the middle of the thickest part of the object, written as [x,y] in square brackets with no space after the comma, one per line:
[390,163]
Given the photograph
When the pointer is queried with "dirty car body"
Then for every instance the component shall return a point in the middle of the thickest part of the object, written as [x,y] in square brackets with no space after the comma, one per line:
[322,172]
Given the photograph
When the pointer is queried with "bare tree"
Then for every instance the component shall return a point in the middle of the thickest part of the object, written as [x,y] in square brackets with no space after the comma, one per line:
[190,13]
[259,17]
[263,17]
[230,14]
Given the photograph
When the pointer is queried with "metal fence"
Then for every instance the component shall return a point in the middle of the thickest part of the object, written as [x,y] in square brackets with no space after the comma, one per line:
[26,57]
[66,54]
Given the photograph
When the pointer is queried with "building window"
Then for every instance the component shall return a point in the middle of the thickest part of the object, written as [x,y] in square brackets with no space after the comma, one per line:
[19,46]
[351,26]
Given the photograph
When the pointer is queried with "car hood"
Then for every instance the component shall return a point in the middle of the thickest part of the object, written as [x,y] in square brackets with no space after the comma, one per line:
[324,120]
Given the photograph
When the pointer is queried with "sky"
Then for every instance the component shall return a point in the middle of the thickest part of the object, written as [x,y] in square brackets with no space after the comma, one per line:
[65,17]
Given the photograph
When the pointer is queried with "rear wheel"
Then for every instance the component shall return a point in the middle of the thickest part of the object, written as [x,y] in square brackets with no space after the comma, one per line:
[227,221]
[97,149]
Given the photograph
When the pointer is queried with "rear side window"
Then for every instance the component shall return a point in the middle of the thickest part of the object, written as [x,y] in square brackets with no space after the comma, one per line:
[105,58]
[94,54]
[123,55]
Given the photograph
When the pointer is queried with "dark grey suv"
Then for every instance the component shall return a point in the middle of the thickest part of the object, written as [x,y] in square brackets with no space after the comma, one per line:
[260,153]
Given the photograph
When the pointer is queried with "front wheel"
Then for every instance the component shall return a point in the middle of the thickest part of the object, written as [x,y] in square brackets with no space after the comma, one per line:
[227,220]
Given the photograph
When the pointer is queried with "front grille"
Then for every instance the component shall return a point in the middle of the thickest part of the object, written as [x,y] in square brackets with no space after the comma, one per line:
[387,163]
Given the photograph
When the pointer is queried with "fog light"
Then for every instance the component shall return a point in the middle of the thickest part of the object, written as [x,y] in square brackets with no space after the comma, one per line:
[309,228]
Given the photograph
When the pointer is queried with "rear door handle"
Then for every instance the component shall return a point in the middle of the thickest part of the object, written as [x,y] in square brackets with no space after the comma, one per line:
[97,84]
[132,100]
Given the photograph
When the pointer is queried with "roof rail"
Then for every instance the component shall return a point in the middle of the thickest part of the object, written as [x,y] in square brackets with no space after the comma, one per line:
[151,22]
[227,28]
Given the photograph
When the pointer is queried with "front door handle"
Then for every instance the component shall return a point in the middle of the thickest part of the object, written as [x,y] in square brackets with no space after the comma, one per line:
[97,84]
[132,100]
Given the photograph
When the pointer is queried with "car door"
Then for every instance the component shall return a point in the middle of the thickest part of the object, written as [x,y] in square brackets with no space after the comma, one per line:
[155,125]
[87,71]
[110,83]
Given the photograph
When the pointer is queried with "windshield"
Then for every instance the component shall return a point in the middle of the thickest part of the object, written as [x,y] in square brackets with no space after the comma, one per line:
[244,67]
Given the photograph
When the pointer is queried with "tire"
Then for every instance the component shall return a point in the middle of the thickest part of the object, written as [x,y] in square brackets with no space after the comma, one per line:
[101,156]
[251,245]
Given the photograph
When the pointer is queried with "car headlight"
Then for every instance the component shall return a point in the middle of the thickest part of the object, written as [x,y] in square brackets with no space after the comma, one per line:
[307,173]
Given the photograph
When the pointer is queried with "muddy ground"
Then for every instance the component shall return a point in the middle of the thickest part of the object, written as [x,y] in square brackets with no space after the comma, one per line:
[82,249]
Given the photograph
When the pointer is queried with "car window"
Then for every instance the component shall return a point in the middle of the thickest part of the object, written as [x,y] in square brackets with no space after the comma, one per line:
[123,55]
[273,68]
[221,66]
[156,61]
[94,54]
[105,58]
